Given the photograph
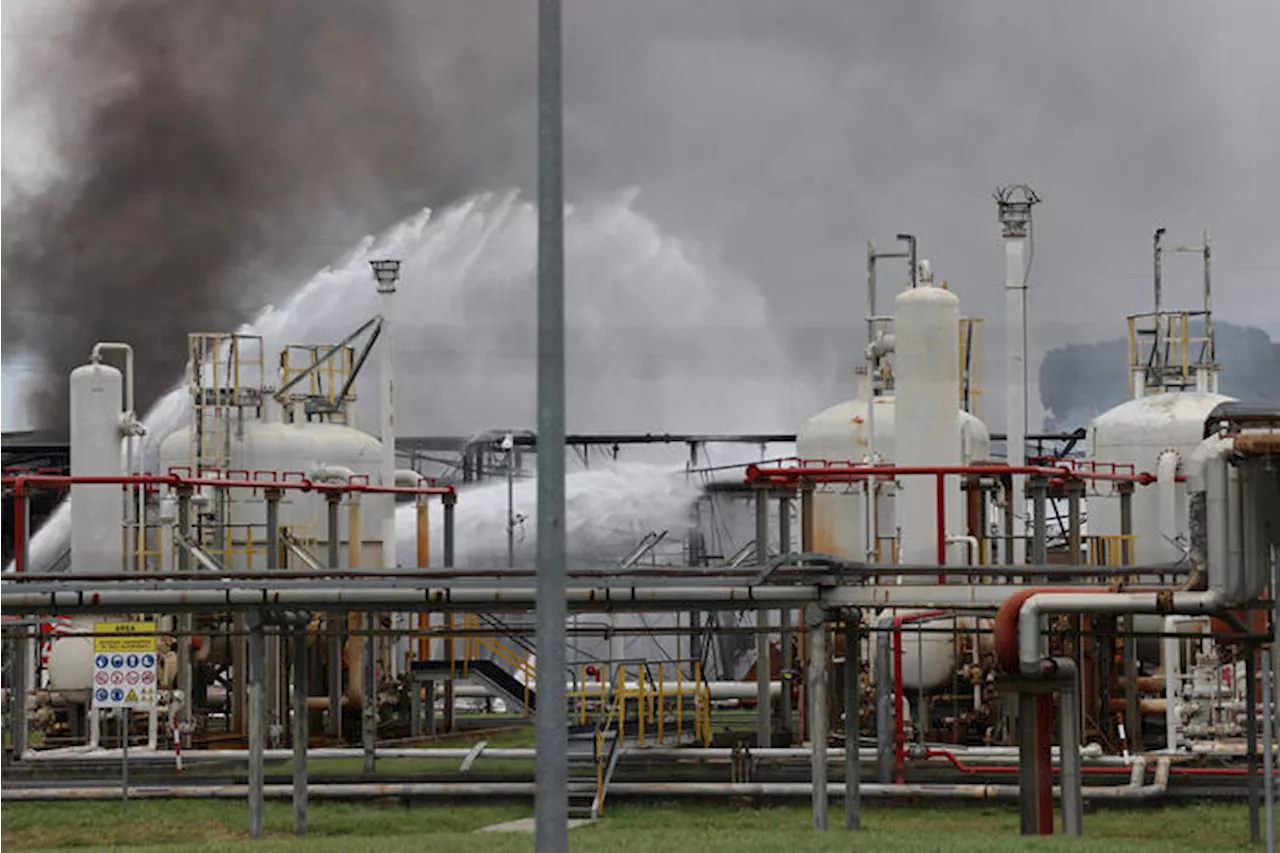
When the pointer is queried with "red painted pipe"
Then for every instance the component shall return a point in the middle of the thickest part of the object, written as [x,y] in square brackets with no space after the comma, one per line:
[941,509]
[1006,628]
[20,510]
[826,472]
[1044,763]
[301,484]
[899,725]
[955,762]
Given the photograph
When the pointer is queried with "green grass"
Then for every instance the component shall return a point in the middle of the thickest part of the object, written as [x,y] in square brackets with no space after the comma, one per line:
[696,828]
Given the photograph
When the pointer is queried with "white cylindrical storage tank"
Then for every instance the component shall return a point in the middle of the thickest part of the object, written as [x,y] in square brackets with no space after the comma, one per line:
[927,420]
[97,512]
[1138,433]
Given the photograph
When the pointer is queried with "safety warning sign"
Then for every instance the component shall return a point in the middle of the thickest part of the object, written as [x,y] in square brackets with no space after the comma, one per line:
[124,665]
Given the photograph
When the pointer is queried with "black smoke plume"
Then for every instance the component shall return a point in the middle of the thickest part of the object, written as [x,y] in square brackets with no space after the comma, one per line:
[221,150]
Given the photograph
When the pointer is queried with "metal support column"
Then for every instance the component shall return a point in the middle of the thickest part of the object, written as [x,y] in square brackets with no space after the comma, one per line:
[275,647]
[886,713]
[301,689]
[1072,793]
[256,689]
[785,656]
[186,621]
[815,622]
[852,716]
[551,807]
[369,700]
[1132,715]
[23,670]
[1075,495]
[1040,533]
[1268,765]
[450,501]
[336,623]
[1027,798]
[1251,738]
[764,670]
[806,517]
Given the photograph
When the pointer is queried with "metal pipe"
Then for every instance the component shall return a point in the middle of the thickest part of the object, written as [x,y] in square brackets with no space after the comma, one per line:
[450,503]
[1251,739]
[1027,761]
[785,656]
[815,621]
[1268,778]
[186,622]
[551,801]
[274,651]
[852,720]
[764,668]
[257,724]
[824,471]
[1039,534]
[300,692]
[885,712]
[336,620]
[1072,801]
[1044,763]
[176,477]
[350,791]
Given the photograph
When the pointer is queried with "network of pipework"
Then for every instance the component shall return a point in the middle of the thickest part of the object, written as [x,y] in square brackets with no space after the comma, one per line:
[946,604]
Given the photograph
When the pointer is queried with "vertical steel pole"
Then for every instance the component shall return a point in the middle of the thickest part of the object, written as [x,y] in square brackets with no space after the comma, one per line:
[369,701]
[1040,534]
[1269,812]
[1027,798]
[1072,793]
[22,663]
[1251,737]
[511,509]
[764,669]
[301,689]
[275,645]
[450,502]
[124,754]
[1127,557]
[335,622]
[784,620]
[186,621]
[815,620]
[551,766]
[257,721]
[852,717]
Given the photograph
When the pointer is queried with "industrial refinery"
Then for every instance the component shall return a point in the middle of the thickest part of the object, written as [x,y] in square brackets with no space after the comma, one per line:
[890,603]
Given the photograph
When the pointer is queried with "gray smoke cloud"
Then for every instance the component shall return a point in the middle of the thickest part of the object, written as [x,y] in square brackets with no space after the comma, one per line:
[216,149]
[777,135]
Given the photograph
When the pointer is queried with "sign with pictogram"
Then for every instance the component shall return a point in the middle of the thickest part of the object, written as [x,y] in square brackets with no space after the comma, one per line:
[124,665]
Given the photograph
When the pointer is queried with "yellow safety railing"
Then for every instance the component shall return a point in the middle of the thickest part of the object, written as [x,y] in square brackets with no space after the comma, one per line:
[1112,550]
[323,381]
[970,364]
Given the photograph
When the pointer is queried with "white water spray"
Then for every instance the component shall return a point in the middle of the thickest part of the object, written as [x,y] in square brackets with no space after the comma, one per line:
[657,341]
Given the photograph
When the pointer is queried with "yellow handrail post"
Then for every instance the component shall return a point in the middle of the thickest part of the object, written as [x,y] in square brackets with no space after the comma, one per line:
[679,702]
[662,704]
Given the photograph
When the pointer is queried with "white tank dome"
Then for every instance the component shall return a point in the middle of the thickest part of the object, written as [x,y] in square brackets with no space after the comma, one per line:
[301,448]
[1139,432]
[840,434]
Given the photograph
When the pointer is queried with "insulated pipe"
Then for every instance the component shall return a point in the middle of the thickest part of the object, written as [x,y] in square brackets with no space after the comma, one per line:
[815,621]
[1167,497]
[1119,793]
[1017,631]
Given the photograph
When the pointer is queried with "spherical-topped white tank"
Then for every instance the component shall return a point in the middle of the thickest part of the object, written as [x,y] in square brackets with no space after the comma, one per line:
[927,379]
[302,448]
[1140,432]
[96,511]
[840,434]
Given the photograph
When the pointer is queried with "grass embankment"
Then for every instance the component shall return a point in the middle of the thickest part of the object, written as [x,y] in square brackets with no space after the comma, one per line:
[697,828]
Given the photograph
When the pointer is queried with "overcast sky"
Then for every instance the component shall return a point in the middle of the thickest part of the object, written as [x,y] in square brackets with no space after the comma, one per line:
[779,136]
